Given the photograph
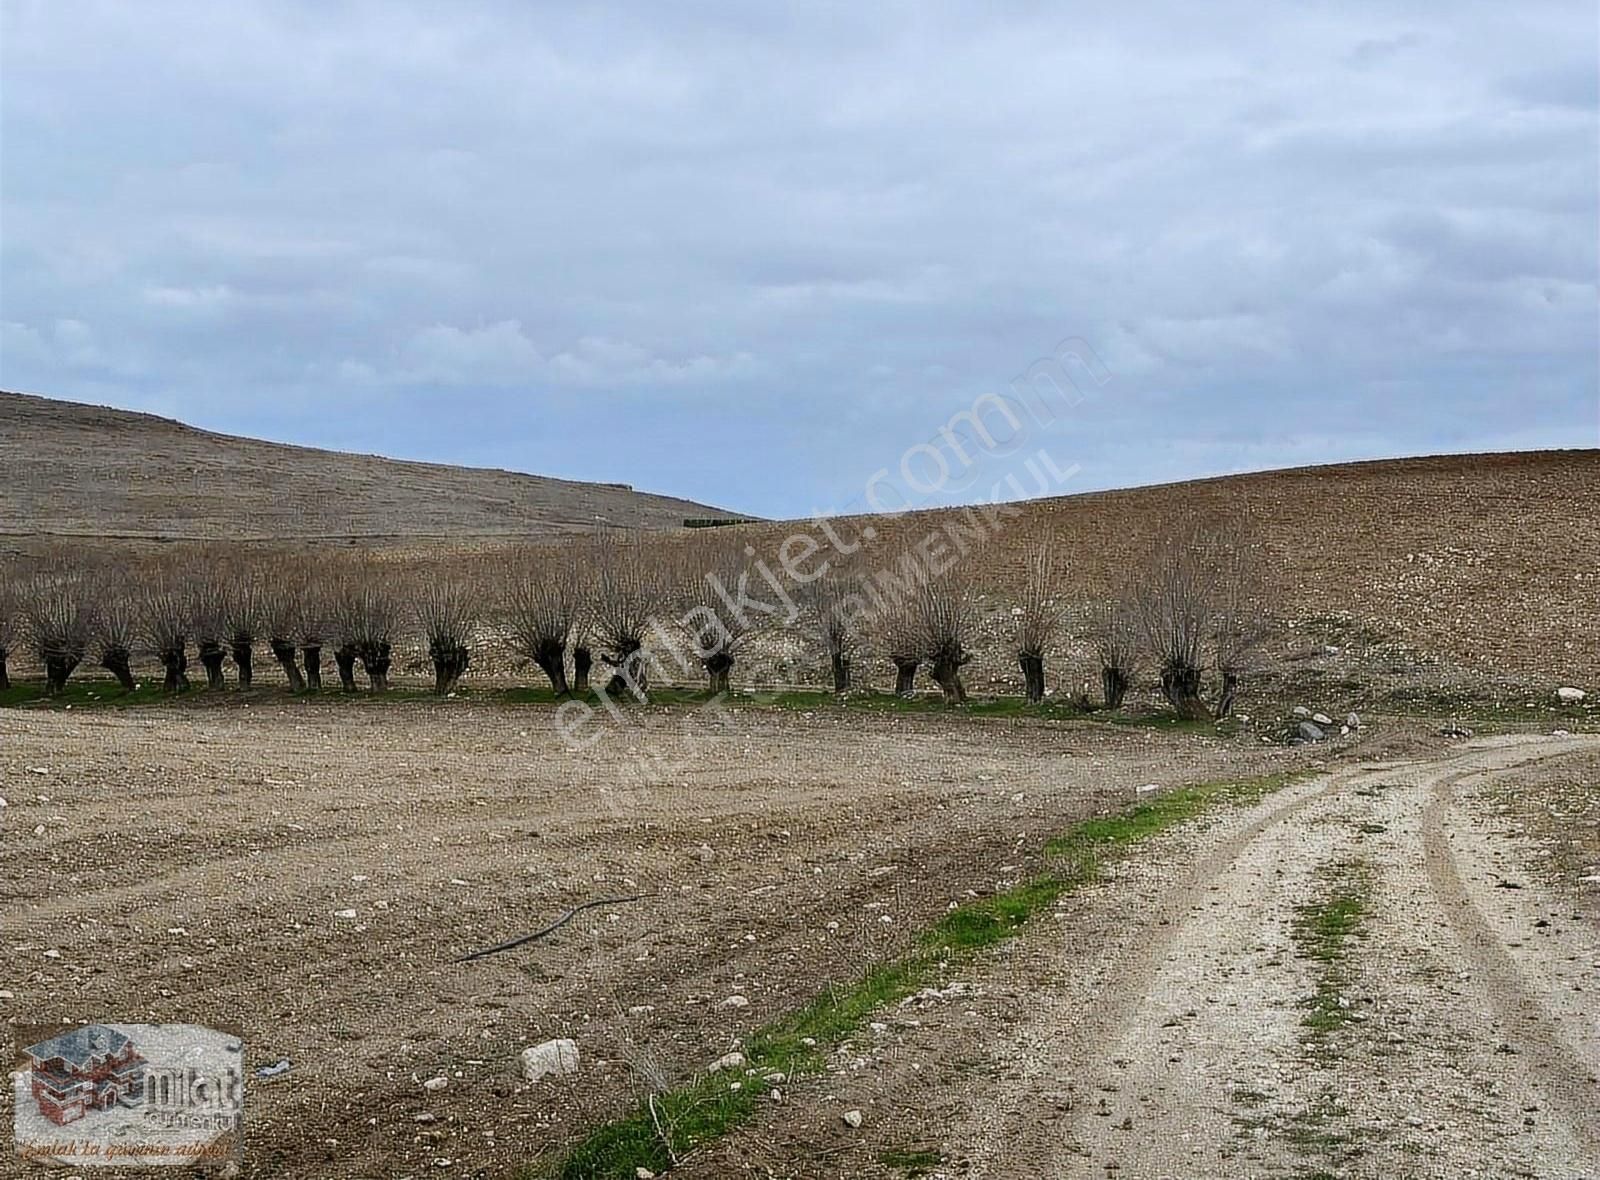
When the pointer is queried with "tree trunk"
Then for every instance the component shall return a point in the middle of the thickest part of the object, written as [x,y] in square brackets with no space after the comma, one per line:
[243,658]
[345,658]
[841,673]
[1180,684]
[313,657]
[116,661]
[1114,686]
[1033,676]
[631,675]
[449,666]
[1230,690]
[283,652]
[211,657]
[947,675]
[5,678]
[57,669]
[719,671]
[552,662]
[375,659]
[905,675]
[582,661]
[176,664]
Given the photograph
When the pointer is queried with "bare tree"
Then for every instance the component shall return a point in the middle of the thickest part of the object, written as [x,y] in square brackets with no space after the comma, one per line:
[315,624]
[1114,634]
[541,605]
[631,589]
[208,616]
[899,635]
[945,610]
[116,627]
[364,622]
[59,618]
[834,606]
[1200,591]
[1037,618]
[1240,629]
[282,614]
[244,605]
[10,619]
[710,576]
[164,624]
[447,612]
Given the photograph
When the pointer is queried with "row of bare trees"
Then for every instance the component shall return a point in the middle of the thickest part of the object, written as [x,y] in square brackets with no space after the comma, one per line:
[1194,608]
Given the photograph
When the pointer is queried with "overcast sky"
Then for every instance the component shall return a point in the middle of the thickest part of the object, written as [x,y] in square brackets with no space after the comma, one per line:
[750,258]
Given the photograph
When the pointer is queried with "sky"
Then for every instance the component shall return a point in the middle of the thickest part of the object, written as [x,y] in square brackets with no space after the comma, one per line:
[759,256]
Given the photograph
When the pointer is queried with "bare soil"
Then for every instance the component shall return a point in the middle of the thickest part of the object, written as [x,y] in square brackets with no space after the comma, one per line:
[1164,1025]
[189,864]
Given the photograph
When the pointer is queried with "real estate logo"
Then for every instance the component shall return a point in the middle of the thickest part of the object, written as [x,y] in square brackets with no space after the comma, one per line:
[123,1094]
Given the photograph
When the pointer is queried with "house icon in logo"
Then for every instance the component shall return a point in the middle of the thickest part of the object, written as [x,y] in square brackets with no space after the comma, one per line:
[85,1069]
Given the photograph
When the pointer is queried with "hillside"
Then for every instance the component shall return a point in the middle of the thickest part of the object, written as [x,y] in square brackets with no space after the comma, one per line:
[1489,562]
[78,470]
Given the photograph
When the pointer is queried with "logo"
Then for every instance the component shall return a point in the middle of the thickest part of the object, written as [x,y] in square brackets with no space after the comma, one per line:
[125,1094]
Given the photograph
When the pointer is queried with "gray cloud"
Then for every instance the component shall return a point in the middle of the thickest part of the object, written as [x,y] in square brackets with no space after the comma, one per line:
[750,257]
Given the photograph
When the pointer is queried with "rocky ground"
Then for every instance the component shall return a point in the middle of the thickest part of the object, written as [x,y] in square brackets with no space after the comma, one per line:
[305,873]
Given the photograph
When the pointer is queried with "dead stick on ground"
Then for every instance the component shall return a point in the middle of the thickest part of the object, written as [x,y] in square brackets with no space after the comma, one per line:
[550,929]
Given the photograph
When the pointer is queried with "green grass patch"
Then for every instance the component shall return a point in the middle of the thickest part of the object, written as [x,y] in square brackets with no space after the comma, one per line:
[1325,931]
[666,1127]
[911,1161]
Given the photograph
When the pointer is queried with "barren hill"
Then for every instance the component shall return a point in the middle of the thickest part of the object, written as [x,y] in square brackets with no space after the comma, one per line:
[1488,561]
[79,470]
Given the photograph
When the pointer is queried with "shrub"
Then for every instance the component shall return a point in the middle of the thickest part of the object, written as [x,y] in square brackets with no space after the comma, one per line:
[630,590]
[1114,635]
[834,605]
[116,628]
[164,625]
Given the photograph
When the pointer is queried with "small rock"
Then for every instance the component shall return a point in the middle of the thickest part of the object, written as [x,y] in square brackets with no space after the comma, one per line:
[1570,696]
[1353,720]
[730,1061]
[1302,712]
[705,854]
[7,995]
[52,954]
[1309,732]
[558,1058]
[1322,719]
[276,1069]
[852,1119]
[736,1002]
[643,1174]
[436,1084]
[345,914]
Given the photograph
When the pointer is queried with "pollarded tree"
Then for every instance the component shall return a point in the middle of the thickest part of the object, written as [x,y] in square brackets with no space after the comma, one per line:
[244,606]
[900,637]
[834,606]
[945,610]
[315,624]
[541,605]
[10,619]
[1114,635]
[164,625]
[631,589]
[447,613]
[59,619]
[116,628]
[364,622]
[208,616]
[1199,593]
[1240,629]
[282,611]
[1036,620]
[713,606]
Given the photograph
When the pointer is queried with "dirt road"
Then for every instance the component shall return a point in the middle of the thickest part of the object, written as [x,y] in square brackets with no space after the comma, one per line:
[1358,977]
